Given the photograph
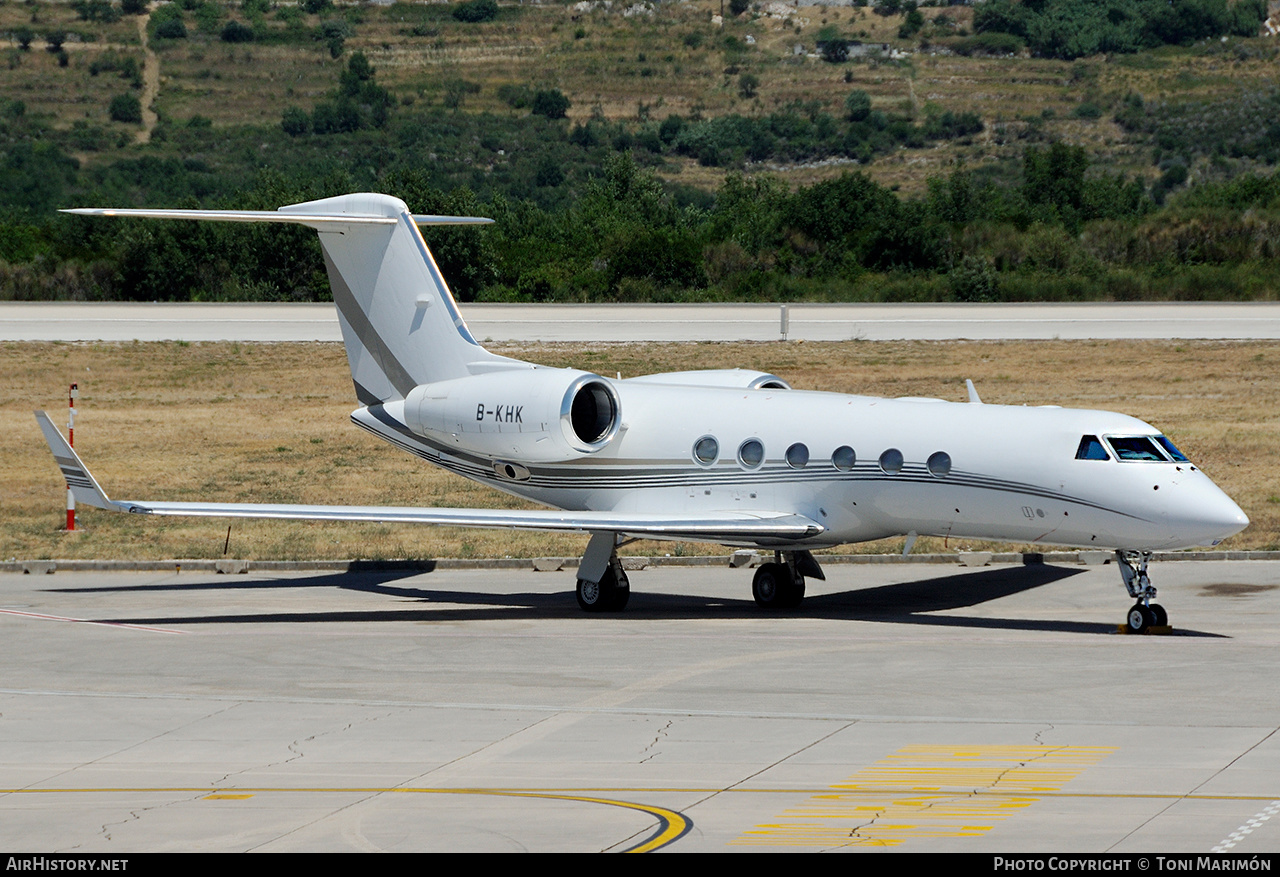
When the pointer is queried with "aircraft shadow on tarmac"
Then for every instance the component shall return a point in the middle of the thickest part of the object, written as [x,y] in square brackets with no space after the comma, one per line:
[902,603]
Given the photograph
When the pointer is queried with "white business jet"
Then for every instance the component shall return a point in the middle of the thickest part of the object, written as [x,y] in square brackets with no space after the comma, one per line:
[729,456]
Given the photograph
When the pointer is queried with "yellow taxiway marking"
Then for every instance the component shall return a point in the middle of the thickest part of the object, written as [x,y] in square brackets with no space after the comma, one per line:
[927,792]
[672,824]
[786,831]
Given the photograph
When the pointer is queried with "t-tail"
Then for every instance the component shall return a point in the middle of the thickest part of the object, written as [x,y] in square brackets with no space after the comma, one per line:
[400,323]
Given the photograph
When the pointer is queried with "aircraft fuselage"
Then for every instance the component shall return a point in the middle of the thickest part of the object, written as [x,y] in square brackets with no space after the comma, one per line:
[862,466]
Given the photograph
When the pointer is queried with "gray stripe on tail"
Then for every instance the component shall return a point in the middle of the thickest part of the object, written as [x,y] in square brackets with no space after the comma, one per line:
[369,338]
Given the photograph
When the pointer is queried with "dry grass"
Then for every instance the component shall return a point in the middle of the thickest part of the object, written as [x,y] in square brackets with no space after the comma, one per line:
[268,422]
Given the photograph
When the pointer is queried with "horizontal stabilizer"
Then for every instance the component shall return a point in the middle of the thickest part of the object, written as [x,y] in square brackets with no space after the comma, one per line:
[312,220]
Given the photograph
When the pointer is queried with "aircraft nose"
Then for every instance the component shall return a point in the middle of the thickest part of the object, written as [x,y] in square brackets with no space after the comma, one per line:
[1210,517]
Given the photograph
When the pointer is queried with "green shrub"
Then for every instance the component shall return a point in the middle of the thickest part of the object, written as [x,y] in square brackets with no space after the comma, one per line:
[295,122]
[173,29]
[126,108]
[857,105]
[475,11]
[236,32]
[973,280]
[551,103]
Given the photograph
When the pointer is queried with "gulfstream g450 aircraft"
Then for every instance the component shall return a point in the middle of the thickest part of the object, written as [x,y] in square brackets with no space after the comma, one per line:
[729,456]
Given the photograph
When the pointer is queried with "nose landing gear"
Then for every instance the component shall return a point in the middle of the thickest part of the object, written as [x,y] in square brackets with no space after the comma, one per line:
[1144,615]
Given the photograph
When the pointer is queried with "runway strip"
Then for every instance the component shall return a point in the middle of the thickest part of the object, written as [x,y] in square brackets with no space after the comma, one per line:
[74,321]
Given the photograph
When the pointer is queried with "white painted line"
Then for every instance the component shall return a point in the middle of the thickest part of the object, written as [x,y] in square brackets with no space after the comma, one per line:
[1245,830]
[43,617]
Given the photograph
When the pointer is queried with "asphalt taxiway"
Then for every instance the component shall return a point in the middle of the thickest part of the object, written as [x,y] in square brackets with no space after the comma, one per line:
[128,321]
[912,707]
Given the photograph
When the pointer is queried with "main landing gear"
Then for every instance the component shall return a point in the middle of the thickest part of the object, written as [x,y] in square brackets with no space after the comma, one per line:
[610,594]
[602,584]
[780,584]
[1144,614]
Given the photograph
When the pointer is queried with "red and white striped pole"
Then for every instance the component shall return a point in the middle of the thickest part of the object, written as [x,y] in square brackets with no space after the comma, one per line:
[72,395]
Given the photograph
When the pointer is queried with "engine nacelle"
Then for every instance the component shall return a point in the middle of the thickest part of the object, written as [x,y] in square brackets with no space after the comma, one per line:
[735,378]
[535,415]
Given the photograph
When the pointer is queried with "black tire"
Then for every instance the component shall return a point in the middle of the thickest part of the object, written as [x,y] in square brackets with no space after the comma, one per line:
[773,587]
[609,595]
[767,585]
[794,593]
[620,593]
[1140,619]
[1160,618]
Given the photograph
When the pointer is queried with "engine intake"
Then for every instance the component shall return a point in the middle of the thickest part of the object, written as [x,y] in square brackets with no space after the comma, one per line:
[537,414]
[591,411]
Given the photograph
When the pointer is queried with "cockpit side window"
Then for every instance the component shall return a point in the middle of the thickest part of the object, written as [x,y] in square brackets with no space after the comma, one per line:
[1135,448]
[1178,456]
[1091,449]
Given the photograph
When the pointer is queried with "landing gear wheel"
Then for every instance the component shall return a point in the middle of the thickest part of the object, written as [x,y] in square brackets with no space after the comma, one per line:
[621,594]
[590,596]
[774,587]
[1161,617]
[793,594]
[610,594]
[1140,619]
[766,585]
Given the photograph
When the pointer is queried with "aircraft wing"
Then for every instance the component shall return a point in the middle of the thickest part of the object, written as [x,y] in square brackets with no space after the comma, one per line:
[719,526]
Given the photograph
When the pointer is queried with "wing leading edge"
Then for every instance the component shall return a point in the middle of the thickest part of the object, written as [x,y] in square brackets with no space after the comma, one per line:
[725,527]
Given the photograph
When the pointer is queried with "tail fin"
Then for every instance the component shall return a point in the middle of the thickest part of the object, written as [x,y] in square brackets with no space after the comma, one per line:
[400,323]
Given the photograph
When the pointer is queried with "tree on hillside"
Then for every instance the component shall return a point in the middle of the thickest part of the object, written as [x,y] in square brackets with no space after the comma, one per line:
[126,108]
[476,11]
[551,103]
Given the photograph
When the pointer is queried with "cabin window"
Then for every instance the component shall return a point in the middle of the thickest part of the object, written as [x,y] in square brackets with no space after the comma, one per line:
[706,450]
[891,461]
[1178,456]
[751,453]
[843,458]
[1091,449]
[939,464]
[798,456]
[1135,448]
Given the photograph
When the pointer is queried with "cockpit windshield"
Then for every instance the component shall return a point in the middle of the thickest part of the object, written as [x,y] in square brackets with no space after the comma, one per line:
[1178,456]
[1130,448]
[1136,447]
